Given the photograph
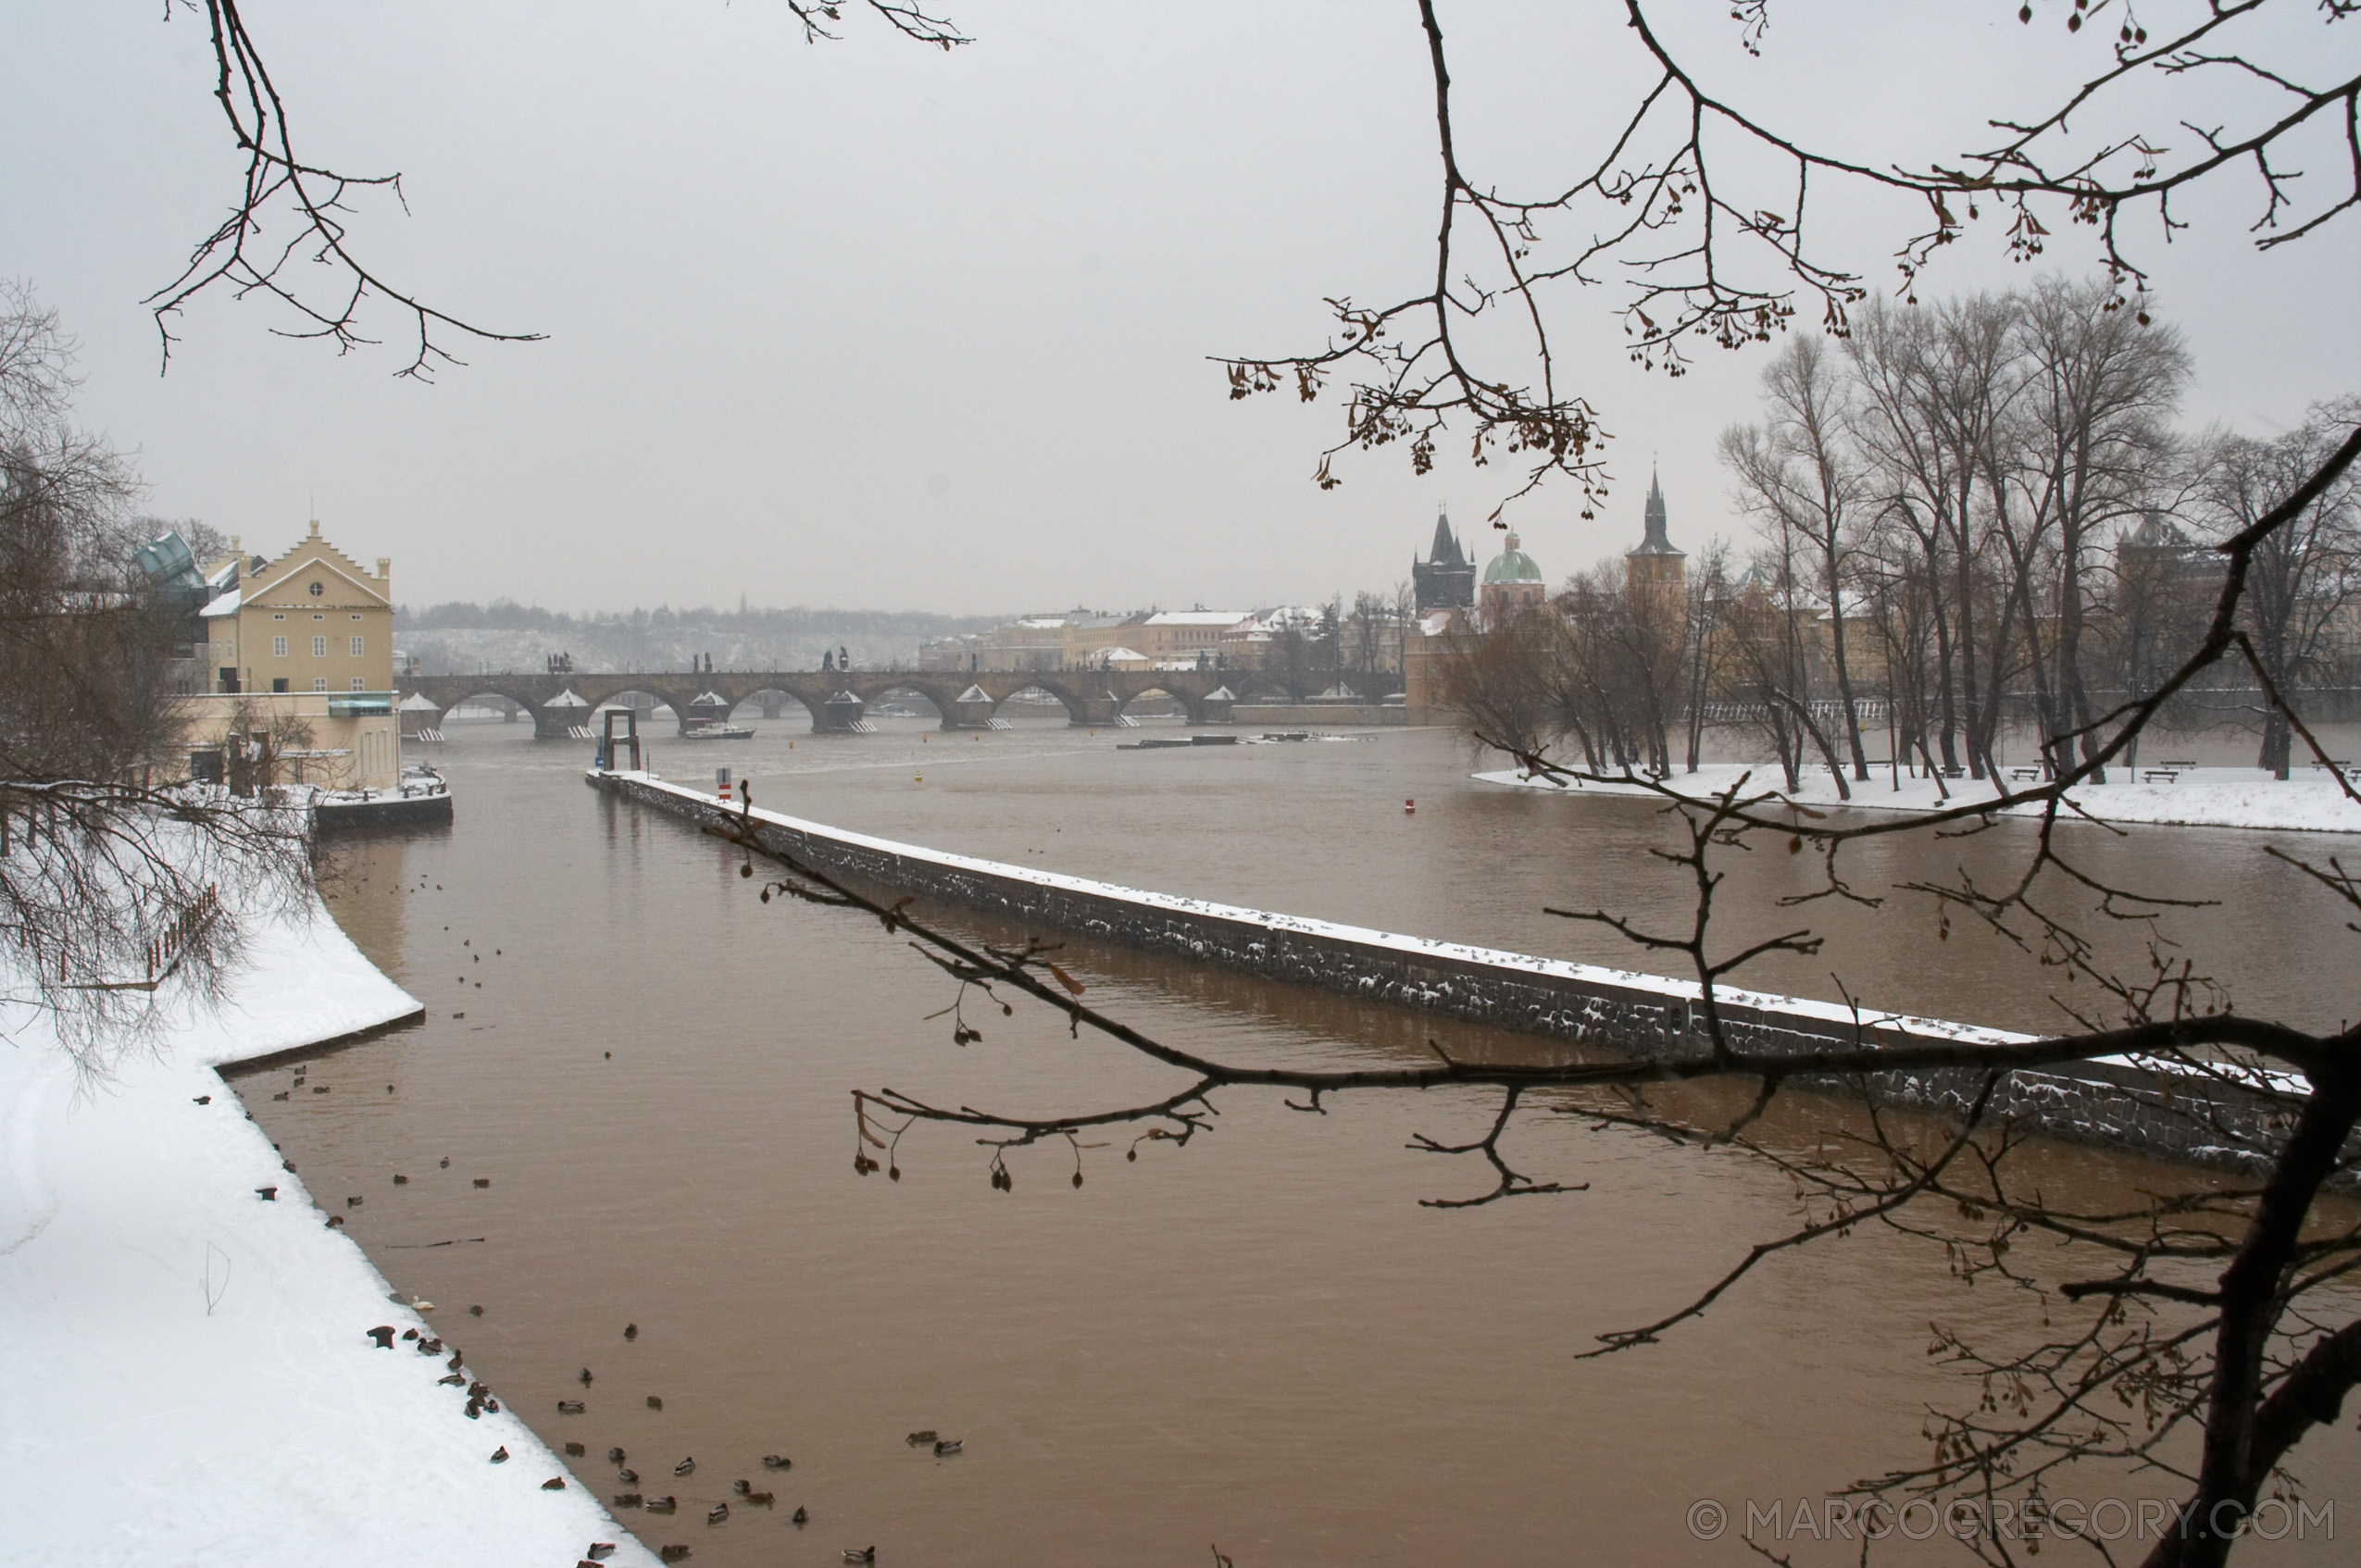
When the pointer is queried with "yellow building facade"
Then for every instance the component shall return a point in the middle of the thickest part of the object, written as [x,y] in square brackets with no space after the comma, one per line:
[300,649]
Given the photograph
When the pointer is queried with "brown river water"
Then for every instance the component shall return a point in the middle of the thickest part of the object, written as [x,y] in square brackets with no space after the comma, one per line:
[1261,1342]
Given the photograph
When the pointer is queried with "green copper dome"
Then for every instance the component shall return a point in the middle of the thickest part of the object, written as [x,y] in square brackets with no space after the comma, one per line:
[1512,564]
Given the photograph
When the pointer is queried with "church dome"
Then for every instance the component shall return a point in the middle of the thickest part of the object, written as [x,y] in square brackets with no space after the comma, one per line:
[1512,564]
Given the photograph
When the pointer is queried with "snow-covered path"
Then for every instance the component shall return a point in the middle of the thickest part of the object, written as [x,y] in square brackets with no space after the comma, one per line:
[138,1427]
[2199,797]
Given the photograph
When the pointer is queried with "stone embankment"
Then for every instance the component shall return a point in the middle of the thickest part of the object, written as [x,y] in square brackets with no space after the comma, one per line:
[2151,1108]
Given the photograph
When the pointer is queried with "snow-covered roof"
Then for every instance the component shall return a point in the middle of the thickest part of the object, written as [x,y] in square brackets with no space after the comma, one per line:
[226,604]
[1197,618]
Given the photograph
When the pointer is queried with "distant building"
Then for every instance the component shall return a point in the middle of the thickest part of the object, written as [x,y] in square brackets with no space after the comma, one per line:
[1512,583]
[1656,563]
[1446,579]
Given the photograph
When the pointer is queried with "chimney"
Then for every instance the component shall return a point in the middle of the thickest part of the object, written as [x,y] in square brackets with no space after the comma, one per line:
[314,527]
[386,570]
[237,560]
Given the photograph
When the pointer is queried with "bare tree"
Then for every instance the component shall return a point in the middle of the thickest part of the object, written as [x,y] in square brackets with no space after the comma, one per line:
[1799,471]
[114,888]
[2086,450]
[2307,575]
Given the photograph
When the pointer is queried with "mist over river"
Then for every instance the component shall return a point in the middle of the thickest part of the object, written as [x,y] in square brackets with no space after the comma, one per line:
[1260,1341]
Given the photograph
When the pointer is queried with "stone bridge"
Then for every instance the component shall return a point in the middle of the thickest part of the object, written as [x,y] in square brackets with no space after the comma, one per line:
[836,699]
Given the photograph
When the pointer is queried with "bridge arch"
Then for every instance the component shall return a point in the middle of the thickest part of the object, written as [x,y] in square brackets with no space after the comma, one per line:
[1193,707]
[772,702]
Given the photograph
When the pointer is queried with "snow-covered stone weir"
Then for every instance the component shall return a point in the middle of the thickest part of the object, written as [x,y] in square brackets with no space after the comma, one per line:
[2144,1106]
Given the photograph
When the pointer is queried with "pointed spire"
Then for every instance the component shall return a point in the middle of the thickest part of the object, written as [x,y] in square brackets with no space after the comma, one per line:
[1446,546]
[1655,542]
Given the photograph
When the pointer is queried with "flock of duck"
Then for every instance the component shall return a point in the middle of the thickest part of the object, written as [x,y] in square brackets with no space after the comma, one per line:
[481,1400]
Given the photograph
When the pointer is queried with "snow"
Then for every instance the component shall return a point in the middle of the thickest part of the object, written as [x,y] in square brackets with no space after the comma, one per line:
[417,703]
[141,1428]
[2201,797]
[223,604]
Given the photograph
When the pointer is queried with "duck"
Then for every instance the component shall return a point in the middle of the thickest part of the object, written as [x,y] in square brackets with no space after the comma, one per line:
[383,1335]
[758,1500]
[400,1181]
[799,1517]
[204,1100]
[948,1446]
[628,1477]
[446,1162]
[475,1312]
[655,1403]
[630,1331]
[575,1451]
[336,1222]
[500,1454]
[585,1377]
[686,1467]
[926,1434]
[268,1194]
[483,1181]
[663,1504]
[570,1407]
[672,1552]
[717,1514]
[600,1551]
[453,1379]
[352,1202]
[741,1487]
[281,1095]
[776,1461]
[627,1499]
[860,1554]
[615,1456]
[555,1483]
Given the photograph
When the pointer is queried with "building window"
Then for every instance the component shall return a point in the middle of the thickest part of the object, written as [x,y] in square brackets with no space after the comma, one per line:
[359,685]
[278,617]
[319,683]
[356,653]
[278,647]
[319,647]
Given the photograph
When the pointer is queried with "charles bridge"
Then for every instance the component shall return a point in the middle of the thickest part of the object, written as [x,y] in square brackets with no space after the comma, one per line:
[836,699]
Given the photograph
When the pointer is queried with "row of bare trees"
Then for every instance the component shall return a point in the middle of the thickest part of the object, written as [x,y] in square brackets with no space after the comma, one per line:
[1972,517]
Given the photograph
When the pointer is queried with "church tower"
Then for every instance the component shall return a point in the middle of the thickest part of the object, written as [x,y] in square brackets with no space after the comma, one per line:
[1656,563]
[1446,580]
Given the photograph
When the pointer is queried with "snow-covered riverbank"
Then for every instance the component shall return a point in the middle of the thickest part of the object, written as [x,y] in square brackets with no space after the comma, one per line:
[186,1374]
[2201,797]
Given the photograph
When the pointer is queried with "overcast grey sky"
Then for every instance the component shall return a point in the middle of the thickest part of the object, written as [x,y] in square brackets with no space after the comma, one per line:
[869,325]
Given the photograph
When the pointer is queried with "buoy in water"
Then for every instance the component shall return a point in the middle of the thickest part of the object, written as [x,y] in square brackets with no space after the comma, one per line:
[1409,808]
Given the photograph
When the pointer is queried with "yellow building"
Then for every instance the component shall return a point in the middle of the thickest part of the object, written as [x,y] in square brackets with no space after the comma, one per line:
[313,620]
[300,649]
